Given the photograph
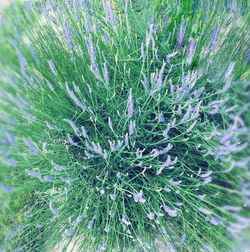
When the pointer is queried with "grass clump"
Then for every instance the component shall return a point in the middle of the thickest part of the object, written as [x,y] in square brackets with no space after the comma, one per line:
[124,123]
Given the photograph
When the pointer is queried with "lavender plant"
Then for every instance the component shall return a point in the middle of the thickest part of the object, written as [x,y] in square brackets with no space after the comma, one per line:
[125,124]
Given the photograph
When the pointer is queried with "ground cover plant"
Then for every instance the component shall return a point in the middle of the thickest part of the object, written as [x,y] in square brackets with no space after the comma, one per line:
[124,124]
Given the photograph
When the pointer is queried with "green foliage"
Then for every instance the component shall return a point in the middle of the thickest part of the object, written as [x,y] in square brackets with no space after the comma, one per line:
[124,123]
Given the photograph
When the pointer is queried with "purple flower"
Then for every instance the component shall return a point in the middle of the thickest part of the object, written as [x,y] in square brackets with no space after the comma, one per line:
[191,50]
[229,70]
[103,247]
[113,197]
[138,197]
[10,162]
[169,211]
[73,126]
[69,232]
[204,211]
[151,215]
[5,188]
[130,104]
[125,221]
[92,55]
[214,37]
[77,102]
[68,35]
[84,133]
[33,148]
[33,173]
[57,167]
[52,67]
[110,14]
[159,81]
[132,126]
[47,178]
[181,32]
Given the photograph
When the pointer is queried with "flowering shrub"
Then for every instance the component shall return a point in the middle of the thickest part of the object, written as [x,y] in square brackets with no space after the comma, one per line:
[124,123]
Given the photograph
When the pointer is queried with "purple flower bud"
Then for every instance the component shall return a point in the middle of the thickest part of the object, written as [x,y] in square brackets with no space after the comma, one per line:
[84,133]
[69,232]
[33,173]
[204,211]
[33,148]
[92,55]
[229,70]
[191,50]
[73,126]
[151,215]
[47,178]
[214,37]
[52,67]
[52,209]
[169,211]
[5,188]
[110,14]
[181,32]
[57,167]
[138,197]
[132,126]
[113,197]
[159,81]
[68,35]
[9,162]
[182,240]
[125,221]
[130,104]
[207,174]
[77,102]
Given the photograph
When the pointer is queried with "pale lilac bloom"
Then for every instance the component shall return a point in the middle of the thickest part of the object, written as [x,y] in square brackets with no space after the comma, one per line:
[69,232]
[103,247]
[52,67]
[201,196]
[91,223]
[166,131]
[110,14]
[67,180]
[149,35]
[125,221]
[191,50]
[214,107]
[110,123]
[115,146]
[105,73]
[216,221]
[33,173]
[214,37]
[204,211]
[79,219]
[182,240]
[207,174]
[176,183]
[57,167]
[181,32]
[47,178]
[138,197]
[167,164]
[84,133]
[229,70]
[68,35]
[71,141]
[92,55]
[132,126]
[169,211]
[130,104]
[73,126]
[113,197]
[5,188]
[159,81]
[52,209]
[151,215]
[10,162]
[207,181]
[186,115]
[189,129]
[77,102]
[126,140]
[33,148]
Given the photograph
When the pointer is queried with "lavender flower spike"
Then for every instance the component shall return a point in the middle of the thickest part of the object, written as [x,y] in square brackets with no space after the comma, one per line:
[130,104]
[68,35]
[110,14]
[138,197]
[214,37]
[33,148]
[191,50]
[52,67]
[92,55]
[181,33]
[169,211]
[73,126]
